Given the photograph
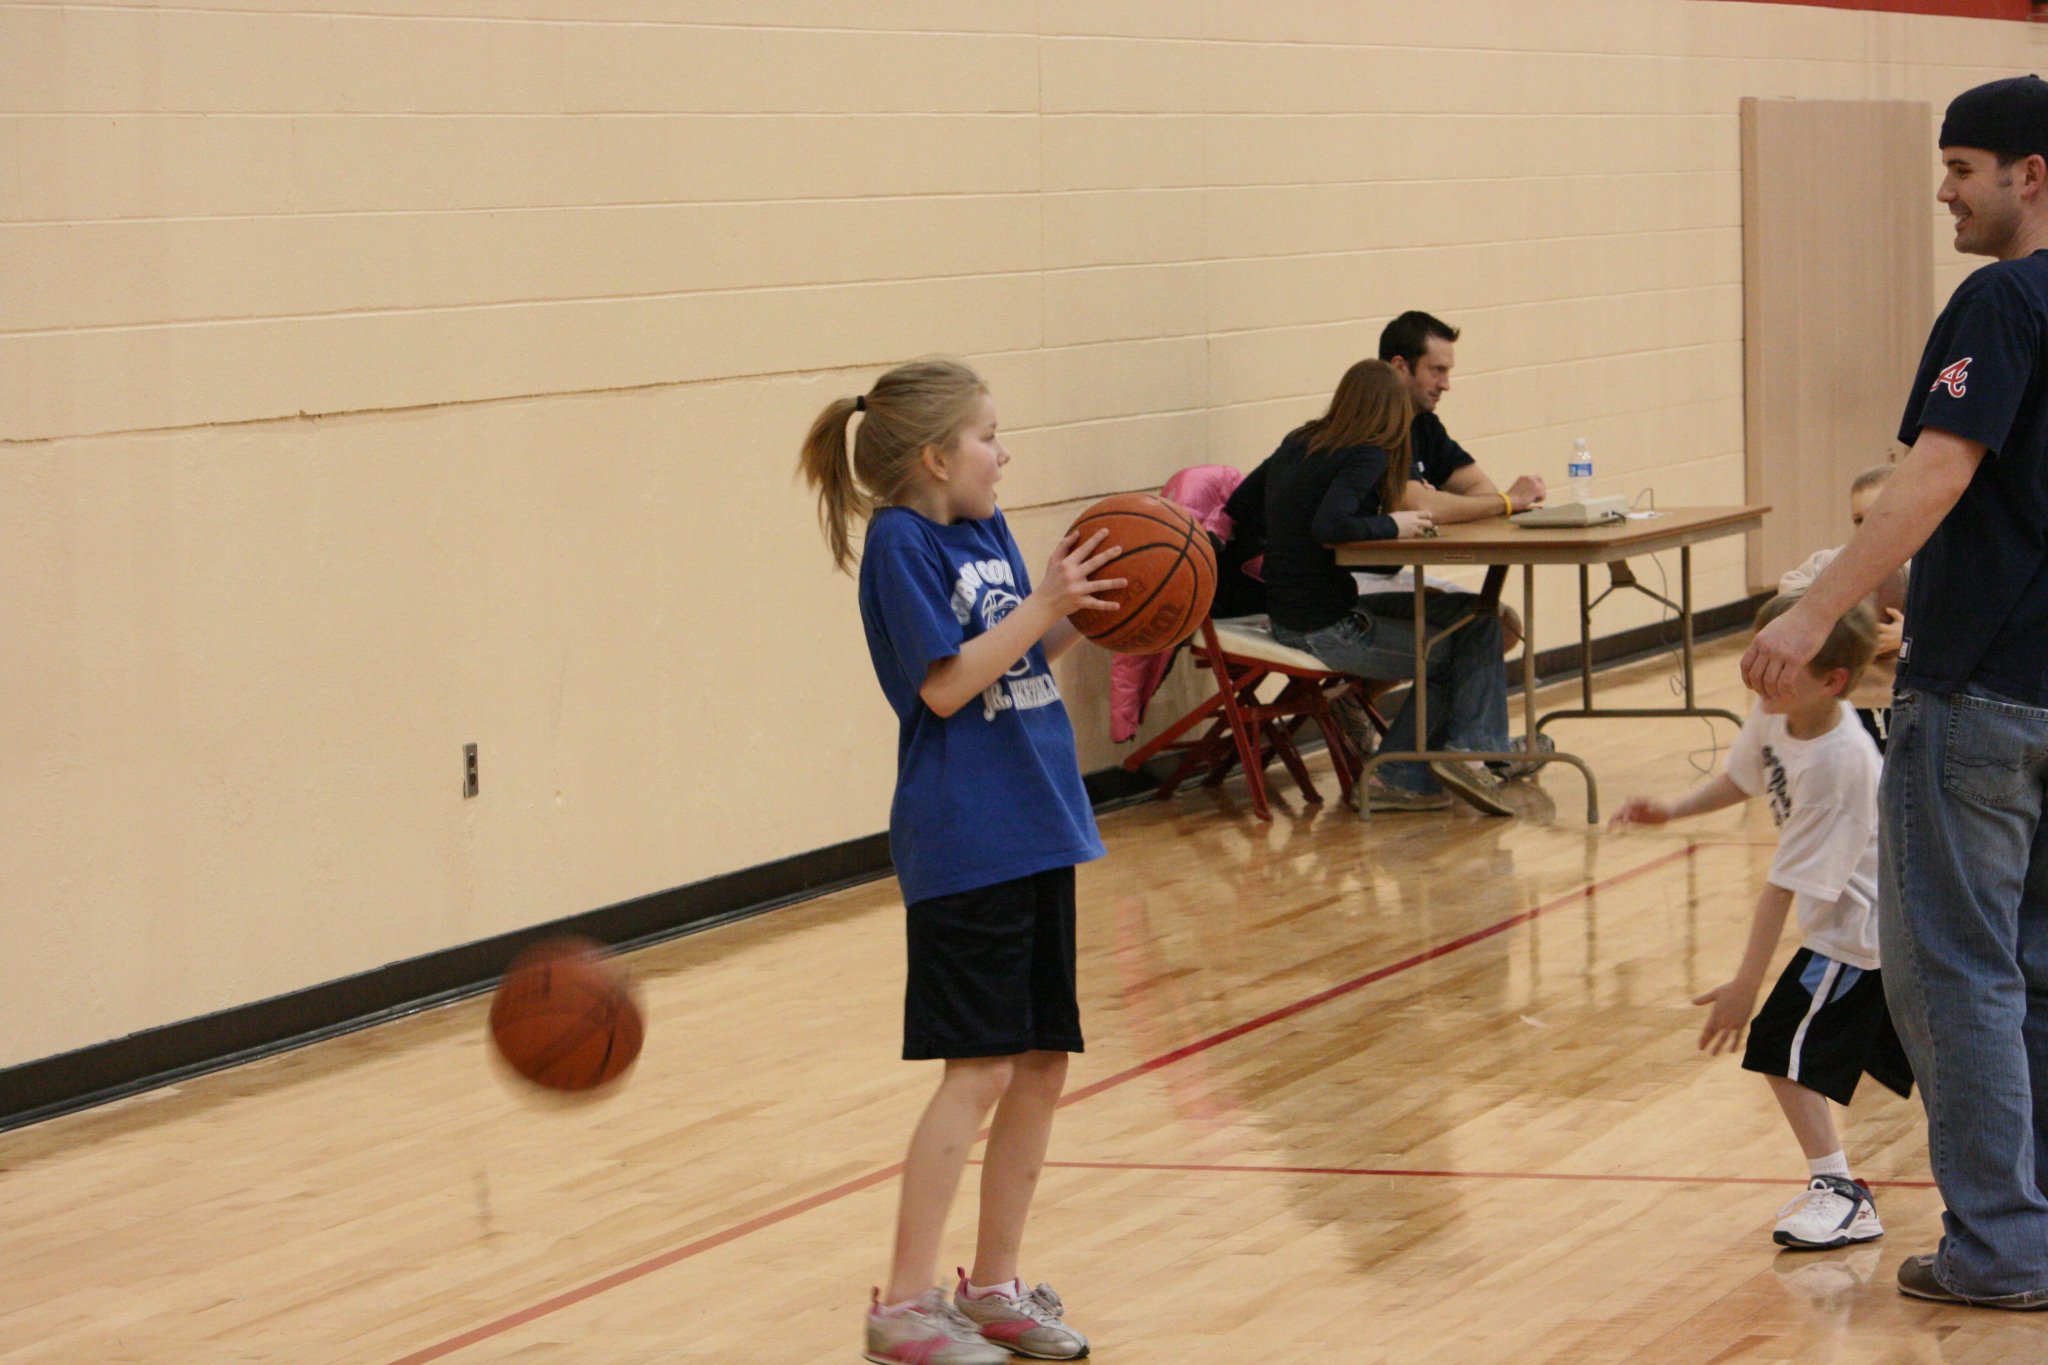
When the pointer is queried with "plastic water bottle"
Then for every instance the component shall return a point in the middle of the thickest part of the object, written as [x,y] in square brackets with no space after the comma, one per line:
[1581,471]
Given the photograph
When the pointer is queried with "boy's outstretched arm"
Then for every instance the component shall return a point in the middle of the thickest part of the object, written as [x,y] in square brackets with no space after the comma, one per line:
[1716,793]
[1735,1001]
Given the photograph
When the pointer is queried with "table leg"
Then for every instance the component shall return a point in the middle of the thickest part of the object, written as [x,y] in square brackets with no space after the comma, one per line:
[1489,598]
[1529,730]
[1420,699]
[1585,638]
[1529,656]
[1421,662]
[1684,609]
[1685,615]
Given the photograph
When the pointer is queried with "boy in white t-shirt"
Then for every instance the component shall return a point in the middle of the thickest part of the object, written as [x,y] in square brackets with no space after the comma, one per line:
[1825,1024]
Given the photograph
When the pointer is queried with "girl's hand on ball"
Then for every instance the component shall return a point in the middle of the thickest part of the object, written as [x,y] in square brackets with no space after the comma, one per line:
[1070,584]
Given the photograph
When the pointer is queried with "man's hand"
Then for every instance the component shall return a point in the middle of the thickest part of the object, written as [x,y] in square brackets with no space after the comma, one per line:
[1526,492]
[1788,643]
[1732,1004]
[1890,631]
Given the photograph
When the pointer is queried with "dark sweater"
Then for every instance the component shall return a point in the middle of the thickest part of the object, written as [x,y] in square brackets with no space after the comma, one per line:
[1299,504]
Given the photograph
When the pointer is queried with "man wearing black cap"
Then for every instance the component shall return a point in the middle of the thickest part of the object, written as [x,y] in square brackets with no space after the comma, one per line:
[1963,900]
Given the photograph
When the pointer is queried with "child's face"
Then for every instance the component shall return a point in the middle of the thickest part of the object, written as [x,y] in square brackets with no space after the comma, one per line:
[975,465]
[1804,692]
[1860,501]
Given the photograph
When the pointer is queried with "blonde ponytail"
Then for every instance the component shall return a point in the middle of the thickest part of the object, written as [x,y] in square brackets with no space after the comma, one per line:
[924,403]
[823,463]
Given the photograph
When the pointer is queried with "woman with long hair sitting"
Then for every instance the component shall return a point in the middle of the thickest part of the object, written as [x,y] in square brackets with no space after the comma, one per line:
[1342,477]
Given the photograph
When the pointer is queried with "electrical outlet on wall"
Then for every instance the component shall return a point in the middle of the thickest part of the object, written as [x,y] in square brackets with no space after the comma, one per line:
[468,771]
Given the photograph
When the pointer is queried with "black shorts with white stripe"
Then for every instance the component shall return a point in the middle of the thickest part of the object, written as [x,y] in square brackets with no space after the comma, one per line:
[1826,1026]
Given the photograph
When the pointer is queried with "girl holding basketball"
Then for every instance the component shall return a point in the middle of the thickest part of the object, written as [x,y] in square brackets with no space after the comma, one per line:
[988,821]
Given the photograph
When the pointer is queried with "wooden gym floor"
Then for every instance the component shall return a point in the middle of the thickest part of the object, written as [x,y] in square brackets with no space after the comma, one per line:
[1419,1091]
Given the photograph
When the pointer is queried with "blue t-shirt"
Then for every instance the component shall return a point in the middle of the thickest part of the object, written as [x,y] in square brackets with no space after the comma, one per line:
[1977,606]
[992,792]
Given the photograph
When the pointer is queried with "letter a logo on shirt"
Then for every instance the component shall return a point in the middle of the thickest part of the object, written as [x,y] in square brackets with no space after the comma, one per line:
[1955,376]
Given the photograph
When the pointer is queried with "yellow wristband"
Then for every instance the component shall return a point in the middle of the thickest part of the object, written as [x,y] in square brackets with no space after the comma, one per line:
[1507,503]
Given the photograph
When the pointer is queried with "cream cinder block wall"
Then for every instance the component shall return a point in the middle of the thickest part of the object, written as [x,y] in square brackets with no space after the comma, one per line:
[381,381]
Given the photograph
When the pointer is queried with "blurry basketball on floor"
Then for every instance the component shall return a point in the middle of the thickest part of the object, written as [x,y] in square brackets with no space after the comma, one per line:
[1171,568]
[564,1016]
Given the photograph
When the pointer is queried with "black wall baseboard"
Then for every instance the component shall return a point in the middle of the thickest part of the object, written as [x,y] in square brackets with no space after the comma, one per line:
[1627,646]
[163,1056]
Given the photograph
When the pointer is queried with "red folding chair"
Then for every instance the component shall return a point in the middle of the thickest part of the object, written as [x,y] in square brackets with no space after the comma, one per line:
[1241,654]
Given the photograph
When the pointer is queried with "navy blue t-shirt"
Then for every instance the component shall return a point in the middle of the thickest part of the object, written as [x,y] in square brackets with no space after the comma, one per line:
[992,792]
[1977,607]
[1436,455]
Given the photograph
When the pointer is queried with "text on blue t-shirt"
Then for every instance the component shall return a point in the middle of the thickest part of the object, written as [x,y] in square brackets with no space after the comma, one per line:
[992,792]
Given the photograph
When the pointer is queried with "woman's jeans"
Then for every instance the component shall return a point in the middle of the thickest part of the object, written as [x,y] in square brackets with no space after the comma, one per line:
[1963,932]
[1468,684]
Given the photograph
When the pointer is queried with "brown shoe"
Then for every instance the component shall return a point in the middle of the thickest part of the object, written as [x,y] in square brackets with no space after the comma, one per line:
[1916,1280]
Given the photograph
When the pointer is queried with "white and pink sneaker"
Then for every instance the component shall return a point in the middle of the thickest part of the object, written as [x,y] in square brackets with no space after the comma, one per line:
[926,1331]
[1031,1324]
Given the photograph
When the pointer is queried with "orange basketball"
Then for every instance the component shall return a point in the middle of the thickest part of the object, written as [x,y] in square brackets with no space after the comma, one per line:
[1171,568]
[564,1016]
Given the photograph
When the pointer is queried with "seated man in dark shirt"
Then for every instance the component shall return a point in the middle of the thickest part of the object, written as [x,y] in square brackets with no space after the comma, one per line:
[1446,482]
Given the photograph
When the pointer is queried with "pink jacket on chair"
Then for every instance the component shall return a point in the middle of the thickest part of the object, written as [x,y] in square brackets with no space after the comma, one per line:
[1202,489]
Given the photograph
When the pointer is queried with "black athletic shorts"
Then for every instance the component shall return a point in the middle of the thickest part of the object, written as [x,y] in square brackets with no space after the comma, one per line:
[992,971]
[1826,1026]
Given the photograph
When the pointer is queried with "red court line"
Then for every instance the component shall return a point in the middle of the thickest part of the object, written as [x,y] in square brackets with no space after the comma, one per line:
[647,1267]
[571,1297]
[1359,983]
[1248,1169]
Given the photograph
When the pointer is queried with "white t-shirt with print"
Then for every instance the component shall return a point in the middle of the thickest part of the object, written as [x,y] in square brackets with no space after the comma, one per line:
[1823,795]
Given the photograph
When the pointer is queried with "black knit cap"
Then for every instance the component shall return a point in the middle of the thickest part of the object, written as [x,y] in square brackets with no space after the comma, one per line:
[2009,117]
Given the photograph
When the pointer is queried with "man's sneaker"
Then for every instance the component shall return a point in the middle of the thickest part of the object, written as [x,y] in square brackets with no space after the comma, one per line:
[1030,1324]
[1516,771]
[1833,1212]
[927,1332]
[1916,1279]
[1380,796]
[1471,781]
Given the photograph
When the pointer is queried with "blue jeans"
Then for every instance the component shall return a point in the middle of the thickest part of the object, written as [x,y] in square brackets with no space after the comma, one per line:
[1468,684]
[1963,930]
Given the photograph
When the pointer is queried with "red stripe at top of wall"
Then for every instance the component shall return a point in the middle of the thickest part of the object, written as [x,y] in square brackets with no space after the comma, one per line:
[1955,9]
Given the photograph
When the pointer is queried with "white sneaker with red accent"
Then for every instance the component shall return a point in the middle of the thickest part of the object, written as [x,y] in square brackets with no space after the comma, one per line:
[1031,1324]
[1833,1212]
[927,1331]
